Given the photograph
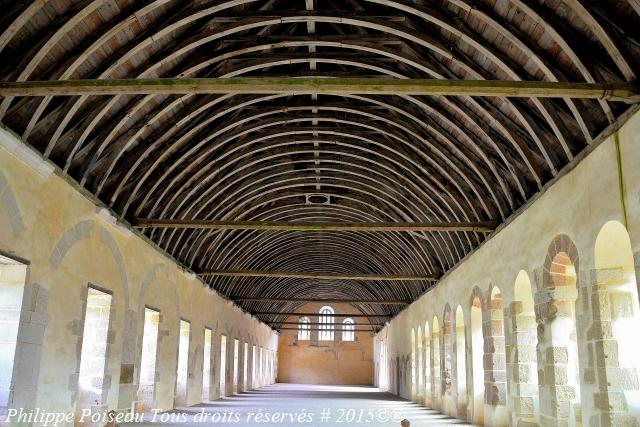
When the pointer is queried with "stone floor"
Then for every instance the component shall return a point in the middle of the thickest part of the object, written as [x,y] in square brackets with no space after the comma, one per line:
[311,405]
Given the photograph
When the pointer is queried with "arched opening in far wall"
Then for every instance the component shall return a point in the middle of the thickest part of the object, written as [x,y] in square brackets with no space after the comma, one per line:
[617,355]
[477,364]
[461,365]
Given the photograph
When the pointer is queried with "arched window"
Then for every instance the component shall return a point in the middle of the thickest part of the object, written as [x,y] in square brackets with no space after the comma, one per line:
[325,331]
[303,329]
[348,330]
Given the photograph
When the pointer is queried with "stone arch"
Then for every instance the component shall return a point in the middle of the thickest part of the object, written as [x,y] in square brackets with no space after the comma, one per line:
[557,348]
[133,335]
[115,368]
[562,244]
[612,337]
[10,204]
[69,238]
[107,238]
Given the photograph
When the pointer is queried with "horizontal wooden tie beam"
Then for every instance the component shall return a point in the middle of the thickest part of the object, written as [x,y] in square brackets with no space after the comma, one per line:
[625,91]
[482,227]
[328,301]
[275,313]
[317,324]
[323,300]
[316,276]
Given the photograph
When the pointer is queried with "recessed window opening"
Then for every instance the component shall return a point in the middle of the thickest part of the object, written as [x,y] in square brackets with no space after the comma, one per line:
[183,363]
[325,332]
[146,388]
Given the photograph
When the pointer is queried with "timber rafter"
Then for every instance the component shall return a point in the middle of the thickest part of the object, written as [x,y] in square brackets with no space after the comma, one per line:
[154,130]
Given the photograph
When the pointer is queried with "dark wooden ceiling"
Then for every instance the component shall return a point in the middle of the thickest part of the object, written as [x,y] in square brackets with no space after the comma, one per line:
[261,157]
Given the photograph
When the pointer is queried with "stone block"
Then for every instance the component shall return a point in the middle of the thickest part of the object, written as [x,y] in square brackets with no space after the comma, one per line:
[618,378]
[31,333]
[556,355]
[614,401]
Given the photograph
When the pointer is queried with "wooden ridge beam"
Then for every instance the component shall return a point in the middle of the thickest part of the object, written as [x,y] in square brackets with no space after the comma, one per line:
[623,91]
[480,227]
[328,301]
[316,276]
[276,313]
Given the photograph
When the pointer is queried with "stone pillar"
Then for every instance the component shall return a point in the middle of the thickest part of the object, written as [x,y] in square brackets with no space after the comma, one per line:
[616,380]
[522,365]
[229,367]
[557,358]
[241,359]
[436,384]
[460,371]
[495,378]
[215,369]
[426,369]
[250,384]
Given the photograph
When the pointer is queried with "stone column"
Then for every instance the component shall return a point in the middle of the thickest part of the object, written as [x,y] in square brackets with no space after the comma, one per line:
[250,384]
[522,365]
[241,358]
[495,378]
[229,367]
[616,379]
[559,390]
[215,369]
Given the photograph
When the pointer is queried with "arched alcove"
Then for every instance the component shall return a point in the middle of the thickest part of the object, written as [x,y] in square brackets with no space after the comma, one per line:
[559,374]
[614,334]
[419,366]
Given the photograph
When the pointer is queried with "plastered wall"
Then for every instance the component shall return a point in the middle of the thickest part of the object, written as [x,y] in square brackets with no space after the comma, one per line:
[69,243]
[569,216]
[334,362]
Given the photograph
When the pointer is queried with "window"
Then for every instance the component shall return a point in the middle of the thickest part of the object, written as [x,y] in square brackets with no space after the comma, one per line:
[236,367]
[12,280]
[148,357]
[348,330]
[325,331]
[206,365]
[304,333]
[223,365]
[183,363]
[93,354]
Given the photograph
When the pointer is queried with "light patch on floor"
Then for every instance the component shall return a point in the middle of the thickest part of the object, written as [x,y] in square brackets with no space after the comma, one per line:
[343,405]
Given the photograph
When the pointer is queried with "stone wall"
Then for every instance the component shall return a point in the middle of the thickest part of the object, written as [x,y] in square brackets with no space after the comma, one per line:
[68,243]
[559,346]
[316,361]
